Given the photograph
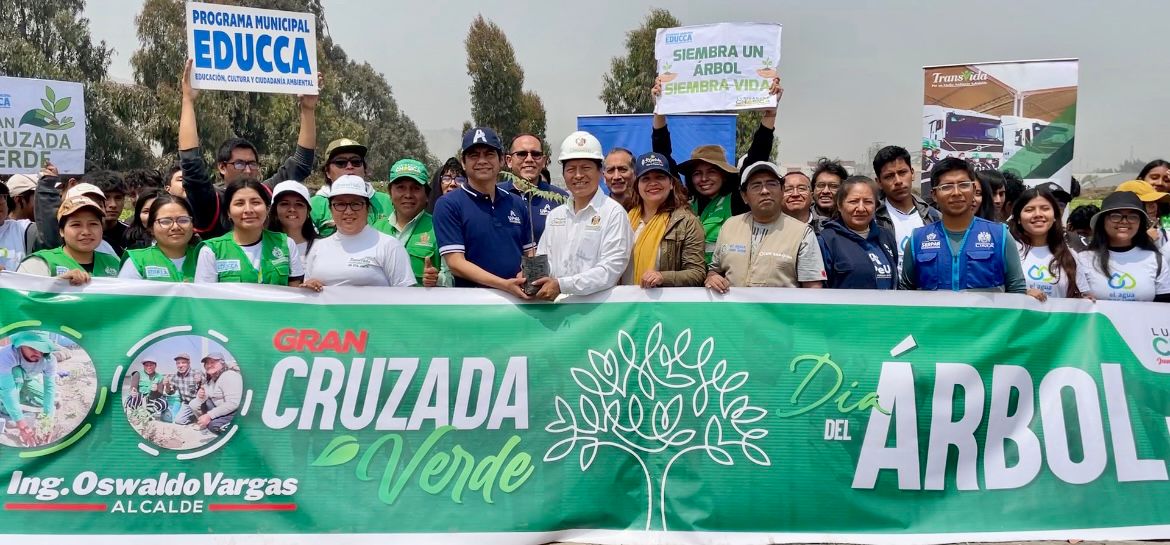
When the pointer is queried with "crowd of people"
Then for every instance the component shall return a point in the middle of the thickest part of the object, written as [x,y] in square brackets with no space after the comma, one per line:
[490,218]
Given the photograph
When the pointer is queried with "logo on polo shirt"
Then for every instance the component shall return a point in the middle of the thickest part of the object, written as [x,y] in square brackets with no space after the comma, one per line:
[227,265]
[595,221]
[513,217]
[154,271]
[424,240]
[544,211]
[984,240]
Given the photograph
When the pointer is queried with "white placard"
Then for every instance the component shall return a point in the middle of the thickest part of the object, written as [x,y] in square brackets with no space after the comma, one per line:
[255,50]
[724,66]
[41,120]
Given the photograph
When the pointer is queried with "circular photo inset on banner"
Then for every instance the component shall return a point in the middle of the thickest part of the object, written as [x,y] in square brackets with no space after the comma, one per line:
[48,385]
[182,392]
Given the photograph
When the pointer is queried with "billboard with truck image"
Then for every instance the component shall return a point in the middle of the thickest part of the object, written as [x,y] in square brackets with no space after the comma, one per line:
[1018,116]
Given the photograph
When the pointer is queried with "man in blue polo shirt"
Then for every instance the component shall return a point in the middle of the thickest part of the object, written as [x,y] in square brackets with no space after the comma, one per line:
[484,230]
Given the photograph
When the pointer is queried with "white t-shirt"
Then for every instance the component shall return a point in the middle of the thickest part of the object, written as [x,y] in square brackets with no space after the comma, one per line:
[303,249]
[904,226]
[205,272]
[129,271]
[12,250]
[369,258]
[1035,262]
[1131,276]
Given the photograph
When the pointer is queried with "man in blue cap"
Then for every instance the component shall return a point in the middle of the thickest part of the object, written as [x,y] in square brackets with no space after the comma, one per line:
[484,230]
[28,374]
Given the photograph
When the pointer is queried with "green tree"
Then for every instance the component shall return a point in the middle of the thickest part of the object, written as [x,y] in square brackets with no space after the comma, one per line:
[498,99]
[356,100]
[49,39]
[627,85]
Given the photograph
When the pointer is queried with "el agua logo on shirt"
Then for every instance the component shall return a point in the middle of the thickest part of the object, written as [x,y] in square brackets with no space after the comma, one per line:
[154,271]
[513,218]
[1122,281]
[1040,273]
[227,265]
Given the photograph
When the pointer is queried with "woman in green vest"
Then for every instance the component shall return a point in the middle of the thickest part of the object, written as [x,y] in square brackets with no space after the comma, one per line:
[79,220]
[290,215]
[175,250]
[711,181]
[249,253]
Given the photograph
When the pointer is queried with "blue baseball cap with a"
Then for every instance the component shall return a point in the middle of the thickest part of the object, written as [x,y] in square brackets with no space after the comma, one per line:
[649,162]
[482,136]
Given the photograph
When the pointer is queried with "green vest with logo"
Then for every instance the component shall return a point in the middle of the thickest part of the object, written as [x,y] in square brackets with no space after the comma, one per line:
[233,266]
[322,216]
[713,218]
[419,245]
[59,262]
[152,264]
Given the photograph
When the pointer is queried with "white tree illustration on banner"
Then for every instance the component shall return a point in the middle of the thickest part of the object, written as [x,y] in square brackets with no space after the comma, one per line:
[663,383]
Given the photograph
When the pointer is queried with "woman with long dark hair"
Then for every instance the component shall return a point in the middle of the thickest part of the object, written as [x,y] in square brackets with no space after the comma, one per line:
[249,253]
[290,215]
[1122,263]
[1157,174]
[447,179]
[138,234]
[1050,268]
[173,255]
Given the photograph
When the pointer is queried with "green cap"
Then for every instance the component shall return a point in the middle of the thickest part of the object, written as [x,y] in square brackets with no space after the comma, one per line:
[409,168]
[35,340]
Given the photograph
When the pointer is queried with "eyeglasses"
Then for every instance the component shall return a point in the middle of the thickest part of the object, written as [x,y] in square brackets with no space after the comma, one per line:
[523,154]
[167,223]
[343,206]
[356,162]
[449,178]
[831,187]
[245,165]
[796,190]
[1118,217]
[759,185]
[947,189]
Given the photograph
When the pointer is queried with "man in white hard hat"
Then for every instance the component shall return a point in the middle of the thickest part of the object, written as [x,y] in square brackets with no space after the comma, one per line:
[588,239]
[526,160]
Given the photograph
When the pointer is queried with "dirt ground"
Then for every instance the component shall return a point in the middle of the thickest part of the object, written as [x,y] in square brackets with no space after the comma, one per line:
[174,436]
[76,394]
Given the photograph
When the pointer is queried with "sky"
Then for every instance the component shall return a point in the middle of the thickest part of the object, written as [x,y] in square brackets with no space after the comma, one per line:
[851,69]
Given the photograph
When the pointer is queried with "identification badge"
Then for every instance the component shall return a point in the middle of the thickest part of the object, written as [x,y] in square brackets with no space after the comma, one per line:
[227,265]
[157,272]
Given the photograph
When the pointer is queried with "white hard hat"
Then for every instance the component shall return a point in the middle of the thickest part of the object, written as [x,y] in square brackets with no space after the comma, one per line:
[581,145]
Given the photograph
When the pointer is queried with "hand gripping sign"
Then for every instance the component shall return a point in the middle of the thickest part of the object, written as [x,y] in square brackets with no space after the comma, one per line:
[255,50]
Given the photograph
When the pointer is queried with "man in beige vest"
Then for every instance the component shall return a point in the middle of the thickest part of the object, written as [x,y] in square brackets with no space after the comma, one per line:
[765,248]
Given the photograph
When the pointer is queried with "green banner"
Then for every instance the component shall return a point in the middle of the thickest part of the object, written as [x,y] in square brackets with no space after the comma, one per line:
[457,416]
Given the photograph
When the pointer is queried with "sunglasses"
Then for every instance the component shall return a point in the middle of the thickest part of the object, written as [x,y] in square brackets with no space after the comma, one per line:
[523,154]
[342,163]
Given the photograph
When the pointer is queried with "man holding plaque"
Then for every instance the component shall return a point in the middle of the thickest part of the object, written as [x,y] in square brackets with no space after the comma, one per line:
[588,239]
[483,230]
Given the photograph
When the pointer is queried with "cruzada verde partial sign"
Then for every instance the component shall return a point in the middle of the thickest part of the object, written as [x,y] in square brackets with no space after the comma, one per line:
[364,415]
[724,66]
[249,49]
[41,120]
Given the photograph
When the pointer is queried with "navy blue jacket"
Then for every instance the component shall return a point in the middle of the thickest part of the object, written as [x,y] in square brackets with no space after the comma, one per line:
[852,262]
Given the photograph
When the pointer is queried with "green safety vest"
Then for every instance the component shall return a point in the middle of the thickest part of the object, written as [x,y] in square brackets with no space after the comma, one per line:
[59,262]
[322,217]
[145,382]
[153,264]
[714,215]
[419,245]
[232,263]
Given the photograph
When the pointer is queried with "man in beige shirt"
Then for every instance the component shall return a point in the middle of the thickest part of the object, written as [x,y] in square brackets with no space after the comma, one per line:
[764,247]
